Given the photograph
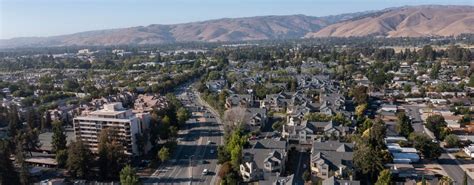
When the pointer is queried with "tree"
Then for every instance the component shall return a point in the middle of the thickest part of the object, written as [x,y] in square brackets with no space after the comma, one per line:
[226,168]
[182,115]
[8,174]
[13,122]
[471,81]
[360,94]
[29,139]
[423,180]
[111,155]
[164,154]
[360,110]
[377,135]
[435,71]
[58,141]
[404,127]
[340,119]
[61,158]
[20,160]
[306,176]
[222,155]
[277,126]
[427,148]
[385,178]
[46,120]
[464,179]
[317,116]
[368,160]
[436,124]
[452,140]
[445,180]
[128,176]
[79,160]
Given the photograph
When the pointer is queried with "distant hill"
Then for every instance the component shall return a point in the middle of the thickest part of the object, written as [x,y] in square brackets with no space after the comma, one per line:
[413,21]
[227,29]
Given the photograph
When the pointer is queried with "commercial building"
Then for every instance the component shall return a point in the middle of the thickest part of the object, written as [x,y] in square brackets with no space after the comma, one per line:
[122,122]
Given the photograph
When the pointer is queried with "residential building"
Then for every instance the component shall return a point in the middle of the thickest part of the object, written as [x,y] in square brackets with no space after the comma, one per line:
[125,124]
[331,158]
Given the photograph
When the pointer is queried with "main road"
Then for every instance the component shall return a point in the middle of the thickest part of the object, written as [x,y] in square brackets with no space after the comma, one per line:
[197,146]
[447,162]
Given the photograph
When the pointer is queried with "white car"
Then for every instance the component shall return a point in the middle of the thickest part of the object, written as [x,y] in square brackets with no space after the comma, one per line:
[205,172]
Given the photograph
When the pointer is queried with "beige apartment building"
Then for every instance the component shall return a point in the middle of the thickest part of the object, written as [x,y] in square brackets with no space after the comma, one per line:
[124,123]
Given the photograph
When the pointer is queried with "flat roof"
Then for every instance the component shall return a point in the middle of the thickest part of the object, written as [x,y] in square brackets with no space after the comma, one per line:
[91,118]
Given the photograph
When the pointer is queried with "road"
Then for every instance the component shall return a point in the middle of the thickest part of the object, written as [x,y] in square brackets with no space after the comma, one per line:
[449,164]
[197,147]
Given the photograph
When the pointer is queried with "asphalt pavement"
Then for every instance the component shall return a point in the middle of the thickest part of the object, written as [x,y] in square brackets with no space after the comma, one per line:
[197,147]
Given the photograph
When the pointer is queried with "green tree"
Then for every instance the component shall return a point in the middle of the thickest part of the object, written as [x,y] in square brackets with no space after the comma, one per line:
[182,115]
[385,178]
[61,158]
[423,180]
[404,127]
[445,180]
[360,94]
[306,176]
[23,168]
[222,155]
[79,160]
[58,141]
[277,126]
[111,155]
[340,119]
[436,124]
[8,174]
[46,121]
[318,117]
[360,110]
[164,154]
[14,124]
[435,71]
[368,160]
[427,148]
[452,140]
[128,176]
[471,81]
[377,135]
[464,179]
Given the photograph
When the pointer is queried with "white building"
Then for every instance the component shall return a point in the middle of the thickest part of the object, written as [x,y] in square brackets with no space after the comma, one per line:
[469,150]
[116,118]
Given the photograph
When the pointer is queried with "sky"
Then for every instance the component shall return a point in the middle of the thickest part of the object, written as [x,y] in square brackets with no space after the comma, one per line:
[26,18]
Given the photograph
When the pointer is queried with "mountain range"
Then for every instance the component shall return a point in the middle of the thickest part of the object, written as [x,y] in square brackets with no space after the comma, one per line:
[409,21]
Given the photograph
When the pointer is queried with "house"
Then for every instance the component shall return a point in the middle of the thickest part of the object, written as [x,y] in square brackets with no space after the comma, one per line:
[239,100]
[306,132]
[264,161]
[389,108]
[216,85]
[331,158]
[258,117]
[335,181]
[288,180]
[401,155]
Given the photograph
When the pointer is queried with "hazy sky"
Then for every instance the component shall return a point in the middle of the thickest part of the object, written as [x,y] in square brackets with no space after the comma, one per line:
[20,18]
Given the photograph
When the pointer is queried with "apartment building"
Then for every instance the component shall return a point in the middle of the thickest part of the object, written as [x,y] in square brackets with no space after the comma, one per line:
[123,122]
